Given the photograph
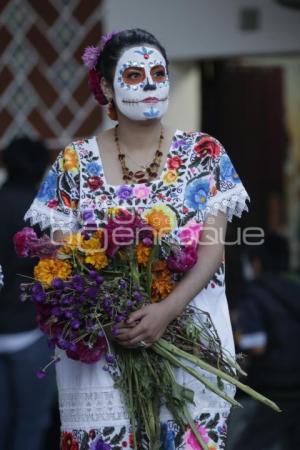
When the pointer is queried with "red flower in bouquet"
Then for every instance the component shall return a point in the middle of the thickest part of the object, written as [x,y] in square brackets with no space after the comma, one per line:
[23,241]
[86,354]
[183,259]
[27,243]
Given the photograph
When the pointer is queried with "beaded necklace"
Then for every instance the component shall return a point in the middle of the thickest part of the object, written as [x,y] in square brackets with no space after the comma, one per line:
[140,176]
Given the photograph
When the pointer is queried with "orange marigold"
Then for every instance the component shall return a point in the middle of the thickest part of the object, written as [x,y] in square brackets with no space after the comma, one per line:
[98,260]
[92,246]
[159,265]
[48,269]
[72,242]
[142,254]
[161,287]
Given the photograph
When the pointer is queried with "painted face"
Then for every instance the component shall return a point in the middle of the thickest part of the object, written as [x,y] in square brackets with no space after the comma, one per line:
[141,83]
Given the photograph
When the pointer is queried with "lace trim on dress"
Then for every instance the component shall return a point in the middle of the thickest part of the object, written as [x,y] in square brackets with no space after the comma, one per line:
[231,202]
[88,409]
[46,217]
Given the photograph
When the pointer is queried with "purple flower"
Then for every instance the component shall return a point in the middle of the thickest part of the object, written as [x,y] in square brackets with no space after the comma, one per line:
[93,274]
[40,373]
[75,324]
[56,311]
[57,283]
[90,56]
[92,292]
[109,358]
[124,192]
[148,242]
[99,279]
[39,296]
[62,343]
[68,314]
[72,346]
[129,303]
[137,296]
[119,318]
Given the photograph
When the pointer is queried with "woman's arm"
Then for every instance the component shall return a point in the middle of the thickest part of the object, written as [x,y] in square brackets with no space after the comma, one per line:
[153,319]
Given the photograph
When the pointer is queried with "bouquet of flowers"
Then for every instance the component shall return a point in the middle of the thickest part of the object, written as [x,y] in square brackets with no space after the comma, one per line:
[95,279]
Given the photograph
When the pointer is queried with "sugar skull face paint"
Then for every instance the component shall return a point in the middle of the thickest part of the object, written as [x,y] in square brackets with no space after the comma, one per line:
[141,83]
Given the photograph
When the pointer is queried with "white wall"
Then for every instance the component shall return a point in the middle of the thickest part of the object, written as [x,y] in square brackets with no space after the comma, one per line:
[208,28]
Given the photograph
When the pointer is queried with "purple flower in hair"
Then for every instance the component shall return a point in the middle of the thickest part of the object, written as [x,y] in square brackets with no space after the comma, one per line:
[90,56]
[106,37]
[91,53]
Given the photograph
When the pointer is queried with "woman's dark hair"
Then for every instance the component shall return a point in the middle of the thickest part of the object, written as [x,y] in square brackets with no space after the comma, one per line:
[26,160]
[113,49]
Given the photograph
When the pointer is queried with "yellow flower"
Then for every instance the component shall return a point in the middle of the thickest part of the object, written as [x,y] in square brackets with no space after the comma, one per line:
[170,176]
[72,242]
[98,260]
[69,160]
[48,269]
[161,218]
[142,253]
[92,245]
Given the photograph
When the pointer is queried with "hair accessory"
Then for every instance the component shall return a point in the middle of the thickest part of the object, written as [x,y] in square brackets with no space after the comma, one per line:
[90,57]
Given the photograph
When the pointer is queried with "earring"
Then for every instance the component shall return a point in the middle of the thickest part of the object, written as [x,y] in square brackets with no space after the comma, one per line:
[111,112]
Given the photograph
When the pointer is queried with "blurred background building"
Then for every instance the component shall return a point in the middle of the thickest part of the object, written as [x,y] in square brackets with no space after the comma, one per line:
[235,73]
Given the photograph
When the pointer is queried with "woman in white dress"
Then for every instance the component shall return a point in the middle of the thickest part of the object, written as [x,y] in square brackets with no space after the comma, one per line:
[185,177]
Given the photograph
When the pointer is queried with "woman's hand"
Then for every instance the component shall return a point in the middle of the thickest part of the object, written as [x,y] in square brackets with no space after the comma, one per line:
[147,324]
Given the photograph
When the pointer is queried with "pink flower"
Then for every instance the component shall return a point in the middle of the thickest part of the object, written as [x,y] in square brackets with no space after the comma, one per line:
[88,355]
[23,241]
[190,234]
[183,259]
[27,243]
[191,441]
[141,191]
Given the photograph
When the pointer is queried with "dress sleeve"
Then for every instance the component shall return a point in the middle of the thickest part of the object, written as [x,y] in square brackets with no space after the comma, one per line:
[56,204]
[226,191]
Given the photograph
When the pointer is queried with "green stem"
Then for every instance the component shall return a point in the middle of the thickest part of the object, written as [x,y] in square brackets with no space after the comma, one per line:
[248,390]
[176,362]
[187,415]
[194,428]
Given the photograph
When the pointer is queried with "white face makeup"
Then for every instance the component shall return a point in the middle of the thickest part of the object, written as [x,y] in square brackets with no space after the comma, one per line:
[141,83]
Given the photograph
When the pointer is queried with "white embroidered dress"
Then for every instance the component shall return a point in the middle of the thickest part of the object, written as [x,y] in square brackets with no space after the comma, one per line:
[198,179]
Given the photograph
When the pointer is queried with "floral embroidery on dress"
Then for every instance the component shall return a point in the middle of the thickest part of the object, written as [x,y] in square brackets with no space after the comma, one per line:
[211,426]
